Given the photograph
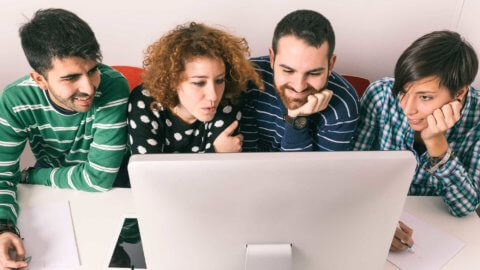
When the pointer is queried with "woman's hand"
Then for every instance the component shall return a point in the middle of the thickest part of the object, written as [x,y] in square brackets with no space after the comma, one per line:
[226,143]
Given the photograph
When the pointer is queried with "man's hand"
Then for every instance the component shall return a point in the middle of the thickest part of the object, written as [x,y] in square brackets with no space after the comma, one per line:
[441,120]
[315,103]
[225,142]
[10,241]
[402,238]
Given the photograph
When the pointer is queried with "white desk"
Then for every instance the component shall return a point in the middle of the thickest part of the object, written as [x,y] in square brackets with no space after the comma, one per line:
[432,210]
[96,217]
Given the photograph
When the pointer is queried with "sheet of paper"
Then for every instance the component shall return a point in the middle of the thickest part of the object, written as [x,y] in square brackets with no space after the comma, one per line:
[49,237]
[433,248]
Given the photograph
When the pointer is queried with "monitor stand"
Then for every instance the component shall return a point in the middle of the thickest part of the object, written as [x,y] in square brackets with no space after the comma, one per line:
[268,257]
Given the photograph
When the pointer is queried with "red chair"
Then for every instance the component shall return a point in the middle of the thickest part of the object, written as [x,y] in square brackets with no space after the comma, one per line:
[133,75]
[359,83]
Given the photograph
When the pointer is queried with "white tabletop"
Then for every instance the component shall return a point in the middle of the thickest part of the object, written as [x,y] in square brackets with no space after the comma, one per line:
[432,210]
[97,216]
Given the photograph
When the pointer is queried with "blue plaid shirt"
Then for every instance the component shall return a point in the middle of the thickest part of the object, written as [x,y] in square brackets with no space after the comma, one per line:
[384,126]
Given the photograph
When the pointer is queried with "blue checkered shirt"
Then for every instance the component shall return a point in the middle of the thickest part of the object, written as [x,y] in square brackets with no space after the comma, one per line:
[384,126]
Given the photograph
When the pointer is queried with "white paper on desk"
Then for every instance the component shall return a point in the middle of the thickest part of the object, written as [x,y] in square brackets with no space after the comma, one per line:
[49,237]
[433,247]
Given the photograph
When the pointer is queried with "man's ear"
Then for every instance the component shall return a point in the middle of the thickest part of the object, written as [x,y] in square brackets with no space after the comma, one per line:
[39,79]
[331,63]
[272,57]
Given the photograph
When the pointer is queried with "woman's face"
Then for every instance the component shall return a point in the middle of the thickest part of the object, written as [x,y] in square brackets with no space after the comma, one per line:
[421,98]
[201,89]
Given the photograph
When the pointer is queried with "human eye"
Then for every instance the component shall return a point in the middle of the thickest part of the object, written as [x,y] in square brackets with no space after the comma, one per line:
[220,80]
[70,78]
[199,83]
[288,71]
[316,73]
[425,98]
[93,71]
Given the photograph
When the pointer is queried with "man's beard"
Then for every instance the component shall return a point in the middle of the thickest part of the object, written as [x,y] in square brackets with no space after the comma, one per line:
[295,103]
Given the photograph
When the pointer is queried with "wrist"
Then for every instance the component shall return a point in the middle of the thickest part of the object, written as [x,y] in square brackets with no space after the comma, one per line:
[298,123]
[436,146]
[292,113]
[437,162]
[25,174]
[8,226]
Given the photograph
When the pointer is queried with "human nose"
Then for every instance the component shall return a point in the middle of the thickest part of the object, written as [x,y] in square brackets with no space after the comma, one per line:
[408,104]
[211,92]
[87,86]
[299,83]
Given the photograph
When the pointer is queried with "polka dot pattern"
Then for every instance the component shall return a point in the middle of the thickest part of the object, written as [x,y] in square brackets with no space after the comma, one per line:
[145,119]
[159,131]
[178,136]
[141,149]
[227,109]
[152,142]
[133,124]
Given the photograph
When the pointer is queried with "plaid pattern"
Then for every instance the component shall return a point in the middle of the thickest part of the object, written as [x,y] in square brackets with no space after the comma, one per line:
[383,126]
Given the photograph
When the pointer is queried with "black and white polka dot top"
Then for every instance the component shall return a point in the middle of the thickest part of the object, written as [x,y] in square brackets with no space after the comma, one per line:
[163,132]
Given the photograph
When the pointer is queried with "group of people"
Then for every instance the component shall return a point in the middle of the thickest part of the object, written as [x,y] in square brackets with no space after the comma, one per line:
[202,94]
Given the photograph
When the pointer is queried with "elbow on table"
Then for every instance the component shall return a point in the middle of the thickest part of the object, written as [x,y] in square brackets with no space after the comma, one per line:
[463,212]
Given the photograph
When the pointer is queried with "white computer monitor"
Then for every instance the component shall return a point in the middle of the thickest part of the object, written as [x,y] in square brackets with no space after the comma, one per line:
[337,210]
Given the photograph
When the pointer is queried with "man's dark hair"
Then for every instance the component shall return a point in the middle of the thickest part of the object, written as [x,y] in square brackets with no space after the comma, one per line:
[443,54]
[308,25]
[57,33]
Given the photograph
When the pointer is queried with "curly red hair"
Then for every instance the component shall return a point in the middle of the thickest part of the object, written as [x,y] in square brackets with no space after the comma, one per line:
[165,61]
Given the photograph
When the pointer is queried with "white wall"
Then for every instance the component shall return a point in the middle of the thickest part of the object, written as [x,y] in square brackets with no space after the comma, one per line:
[370,33]
[469,26]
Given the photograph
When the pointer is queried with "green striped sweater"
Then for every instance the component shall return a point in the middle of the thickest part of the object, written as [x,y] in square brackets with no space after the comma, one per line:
[84,150]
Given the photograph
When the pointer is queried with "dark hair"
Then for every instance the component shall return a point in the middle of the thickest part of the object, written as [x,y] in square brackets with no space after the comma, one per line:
[57,33]
[308,25]
[441,53]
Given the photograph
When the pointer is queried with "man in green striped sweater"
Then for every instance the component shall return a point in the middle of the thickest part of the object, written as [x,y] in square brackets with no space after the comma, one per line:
[71,109]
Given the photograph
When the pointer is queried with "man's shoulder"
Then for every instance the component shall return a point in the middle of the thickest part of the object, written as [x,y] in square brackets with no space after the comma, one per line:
[338,84]
[113,85]
[109,73]
[22,82]
[261,60]
[21,91]
[262,66]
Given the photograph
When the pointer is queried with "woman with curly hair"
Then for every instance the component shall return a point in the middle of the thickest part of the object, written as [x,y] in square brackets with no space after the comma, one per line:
[193,80]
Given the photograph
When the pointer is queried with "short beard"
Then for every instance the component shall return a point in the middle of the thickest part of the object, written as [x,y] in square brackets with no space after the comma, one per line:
[292,104]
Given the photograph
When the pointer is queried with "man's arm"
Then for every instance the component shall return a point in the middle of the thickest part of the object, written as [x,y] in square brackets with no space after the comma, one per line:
[12,143]
[13,137]
[106,151]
